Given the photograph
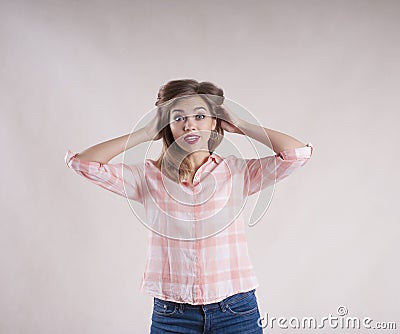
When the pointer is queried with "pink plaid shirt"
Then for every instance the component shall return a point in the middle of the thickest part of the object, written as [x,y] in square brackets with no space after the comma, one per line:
[187,260]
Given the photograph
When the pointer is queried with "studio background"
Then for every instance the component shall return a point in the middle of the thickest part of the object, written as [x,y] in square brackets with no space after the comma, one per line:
[74,74]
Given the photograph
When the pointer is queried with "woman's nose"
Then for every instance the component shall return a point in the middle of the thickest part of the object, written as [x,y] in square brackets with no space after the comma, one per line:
[189,123]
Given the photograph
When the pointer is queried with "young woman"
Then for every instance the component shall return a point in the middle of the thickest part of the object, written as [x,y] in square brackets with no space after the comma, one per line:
[198,268]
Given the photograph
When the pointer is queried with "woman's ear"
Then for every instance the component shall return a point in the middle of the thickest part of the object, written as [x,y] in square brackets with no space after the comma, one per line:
[214,124]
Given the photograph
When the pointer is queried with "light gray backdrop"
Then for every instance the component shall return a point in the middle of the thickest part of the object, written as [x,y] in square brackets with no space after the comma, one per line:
[75,73]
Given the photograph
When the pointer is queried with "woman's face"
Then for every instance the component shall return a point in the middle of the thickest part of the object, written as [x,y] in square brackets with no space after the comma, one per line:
[191,123]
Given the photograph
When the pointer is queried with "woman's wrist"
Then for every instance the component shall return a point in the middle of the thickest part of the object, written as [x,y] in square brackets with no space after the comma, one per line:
[145,135]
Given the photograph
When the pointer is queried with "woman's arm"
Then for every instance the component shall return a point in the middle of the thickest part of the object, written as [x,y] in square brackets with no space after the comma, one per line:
[104,152]
[279,141]
[290,153]
[121,178]
[109,149]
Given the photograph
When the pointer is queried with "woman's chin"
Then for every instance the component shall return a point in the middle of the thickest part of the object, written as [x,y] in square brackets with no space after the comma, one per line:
[191,148]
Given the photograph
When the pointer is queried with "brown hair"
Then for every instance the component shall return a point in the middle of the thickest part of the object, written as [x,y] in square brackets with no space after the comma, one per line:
[173,160]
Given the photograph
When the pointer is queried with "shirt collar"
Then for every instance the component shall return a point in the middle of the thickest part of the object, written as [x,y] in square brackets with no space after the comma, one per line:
[215,157]
[212,157]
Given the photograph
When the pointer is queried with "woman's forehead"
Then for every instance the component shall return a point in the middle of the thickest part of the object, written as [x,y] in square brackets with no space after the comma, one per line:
[189,103]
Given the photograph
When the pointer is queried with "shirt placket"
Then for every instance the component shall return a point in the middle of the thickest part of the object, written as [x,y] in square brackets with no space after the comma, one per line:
[193,214]
[197,228]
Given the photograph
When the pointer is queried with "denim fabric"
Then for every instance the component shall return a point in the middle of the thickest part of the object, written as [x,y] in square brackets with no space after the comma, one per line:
[235,314]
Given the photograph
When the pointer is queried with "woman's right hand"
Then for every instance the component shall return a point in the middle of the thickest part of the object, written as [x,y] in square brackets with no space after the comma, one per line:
[153,128]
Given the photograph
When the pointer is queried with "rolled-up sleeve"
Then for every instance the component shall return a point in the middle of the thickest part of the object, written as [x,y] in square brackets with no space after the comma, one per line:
[264,172]
[122,179]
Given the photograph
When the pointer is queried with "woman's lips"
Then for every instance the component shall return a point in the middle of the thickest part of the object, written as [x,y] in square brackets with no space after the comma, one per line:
[191,139]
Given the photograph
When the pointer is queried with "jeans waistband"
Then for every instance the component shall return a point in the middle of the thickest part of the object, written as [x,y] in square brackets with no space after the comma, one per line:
[222,304]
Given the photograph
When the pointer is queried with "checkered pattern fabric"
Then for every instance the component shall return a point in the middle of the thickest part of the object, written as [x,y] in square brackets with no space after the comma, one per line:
[197,249]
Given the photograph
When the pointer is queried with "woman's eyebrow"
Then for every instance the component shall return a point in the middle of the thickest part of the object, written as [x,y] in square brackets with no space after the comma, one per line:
[179,110]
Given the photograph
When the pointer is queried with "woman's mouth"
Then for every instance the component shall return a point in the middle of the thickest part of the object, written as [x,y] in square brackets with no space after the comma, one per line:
[191,139]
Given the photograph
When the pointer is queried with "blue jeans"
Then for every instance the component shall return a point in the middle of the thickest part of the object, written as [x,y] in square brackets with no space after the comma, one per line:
[235,314]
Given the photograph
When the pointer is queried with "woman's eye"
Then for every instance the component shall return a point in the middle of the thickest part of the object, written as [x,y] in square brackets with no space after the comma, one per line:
[200,116]
[178,118]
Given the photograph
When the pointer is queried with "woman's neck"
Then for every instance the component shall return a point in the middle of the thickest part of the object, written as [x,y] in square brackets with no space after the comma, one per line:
[198,158]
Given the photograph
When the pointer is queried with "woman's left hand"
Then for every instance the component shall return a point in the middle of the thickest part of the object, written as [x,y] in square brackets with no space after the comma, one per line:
[229,121]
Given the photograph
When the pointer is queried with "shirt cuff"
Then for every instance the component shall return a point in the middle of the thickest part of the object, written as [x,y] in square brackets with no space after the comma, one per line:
[74,162]
[304,152]
[68,156]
